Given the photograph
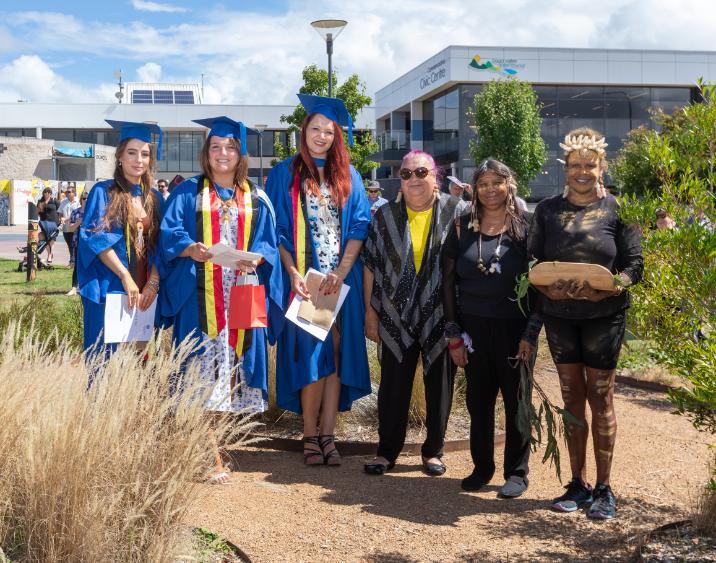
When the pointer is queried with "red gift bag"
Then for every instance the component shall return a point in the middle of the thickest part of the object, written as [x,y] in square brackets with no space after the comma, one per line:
[247,306]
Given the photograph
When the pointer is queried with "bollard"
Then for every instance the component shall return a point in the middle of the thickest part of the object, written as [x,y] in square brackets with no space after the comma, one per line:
[33,234]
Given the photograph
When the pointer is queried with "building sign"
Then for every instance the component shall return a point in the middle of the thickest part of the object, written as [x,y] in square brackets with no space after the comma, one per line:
[433,74]
[503,67]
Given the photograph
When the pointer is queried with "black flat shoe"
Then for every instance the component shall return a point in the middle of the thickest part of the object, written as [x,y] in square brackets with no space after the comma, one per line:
[473,482]
[378,468]
[434,469]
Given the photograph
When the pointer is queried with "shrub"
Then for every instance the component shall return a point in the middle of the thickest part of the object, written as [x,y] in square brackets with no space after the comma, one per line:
[104,474]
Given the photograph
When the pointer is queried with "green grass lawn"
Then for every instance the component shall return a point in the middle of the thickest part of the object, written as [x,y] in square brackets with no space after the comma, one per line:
[52,283]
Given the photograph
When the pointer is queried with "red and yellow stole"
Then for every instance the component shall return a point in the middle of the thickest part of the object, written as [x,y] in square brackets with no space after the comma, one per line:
[210,286]
[302,241]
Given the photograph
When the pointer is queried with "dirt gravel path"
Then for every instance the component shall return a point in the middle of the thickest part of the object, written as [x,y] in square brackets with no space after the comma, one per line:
[276,509]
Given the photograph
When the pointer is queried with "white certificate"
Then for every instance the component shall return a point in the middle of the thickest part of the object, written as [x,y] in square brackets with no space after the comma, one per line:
[315,330]
[226,256]
[122,324]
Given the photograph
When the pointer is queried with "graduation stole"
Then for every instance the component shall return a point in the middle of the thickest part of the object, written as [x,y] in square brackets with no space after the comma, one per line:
[210,283]
[302,241]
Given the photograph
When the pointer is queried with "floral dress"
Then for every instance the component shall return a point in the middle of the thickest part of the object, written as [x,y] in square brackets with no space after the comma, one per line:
[325,224]
[217,362]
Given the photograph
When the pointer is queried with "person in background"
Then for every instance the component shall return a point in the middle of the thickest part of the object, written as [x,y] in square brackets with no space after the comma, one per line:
[461,190]
[375,197]
[49,219]
[664,221]
[65,209]
[75,222]
[163,188]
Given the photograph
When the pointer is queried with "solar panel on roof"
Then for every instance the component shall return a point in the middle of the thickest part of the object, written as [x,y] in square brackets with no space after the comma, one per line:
[163,97]
[183,97]
[142,97]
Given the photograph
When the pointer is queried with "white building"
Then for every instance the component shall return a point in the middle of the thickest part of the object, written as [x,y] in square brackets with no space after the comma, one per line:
[609,90]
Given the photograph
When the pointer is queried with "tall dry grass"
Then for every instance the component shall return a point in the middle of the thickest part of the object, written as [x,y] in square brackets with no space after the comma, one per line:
[104,474]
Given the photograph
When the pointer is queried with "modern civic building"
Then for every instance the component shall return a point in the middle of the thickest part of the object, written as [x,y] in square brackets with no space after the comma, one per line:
[609,90]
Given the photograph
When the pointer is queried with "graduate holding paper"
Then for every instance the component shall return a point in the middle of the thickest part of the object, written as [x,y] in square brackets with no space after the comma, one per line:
[118,236]
[222,206]
[322,216]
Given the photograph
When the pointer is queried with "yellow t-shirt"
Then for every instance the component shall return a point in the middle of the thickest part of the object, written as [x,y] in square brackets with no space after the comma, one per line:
[419,222]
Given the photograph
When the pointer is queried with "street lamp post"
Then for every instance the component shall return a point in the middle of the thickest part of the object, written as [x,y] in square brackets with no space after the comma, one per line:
[260,127]
[329,30]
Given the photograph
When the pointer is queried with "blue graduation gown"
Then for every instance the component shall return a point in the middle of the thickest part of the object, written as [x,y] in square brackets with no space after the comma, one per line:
[301,358]
[94,278]
[180,304]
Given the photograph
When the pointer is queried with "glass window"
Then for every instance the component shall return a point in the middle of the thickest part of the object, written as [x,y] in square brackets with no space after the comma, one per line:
[580,92]
[198,138]
[186,151]
[252,145]
[59,134]
[85,136]
[171,142]
[682,95]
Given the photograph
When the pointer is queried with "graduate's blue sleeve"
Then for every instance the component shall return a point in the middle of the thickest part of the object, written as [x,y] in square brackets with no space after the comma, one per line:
[173,235]
[94,237]
[269,271]
[278,184]
[359,216]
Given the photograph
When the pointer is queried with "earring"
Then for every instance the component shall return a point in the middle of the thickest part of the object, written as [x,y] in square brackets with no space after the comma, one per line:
[510,204]
[565,192]
[601,191]
[119,163]
[399,197]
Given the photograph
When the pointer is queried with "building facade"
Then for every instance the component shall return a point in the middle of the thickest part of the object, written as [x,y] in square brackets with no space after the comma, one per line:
[612,91]
[80,129]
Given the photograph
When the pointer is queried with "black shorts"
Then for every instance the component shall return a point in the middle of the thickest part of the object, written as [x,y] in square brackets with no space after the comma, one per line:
[596,343]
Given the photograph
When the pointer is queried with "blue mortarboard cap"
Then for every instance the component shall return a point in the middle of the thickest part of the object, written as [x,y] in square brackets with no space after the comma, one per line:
[141,131]
[226,127]
[332,108]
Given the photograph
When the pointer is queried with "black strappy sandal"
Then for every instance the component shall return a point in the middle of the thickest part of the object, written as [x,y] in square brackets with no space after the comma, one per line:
[309,453]
[332,458]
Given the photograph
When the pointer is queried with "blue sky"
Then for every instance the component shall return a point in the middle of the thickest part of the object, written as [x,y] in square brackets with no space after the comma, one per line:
[253,51]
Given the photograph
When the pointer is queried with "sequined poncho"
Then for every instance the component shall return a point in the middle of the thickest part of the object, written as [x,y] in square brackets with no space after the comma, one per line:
[409,304]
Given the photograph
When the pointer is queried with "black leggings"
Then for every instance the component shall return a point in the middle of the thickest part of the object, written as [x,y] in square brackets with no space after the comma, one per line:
[596,343]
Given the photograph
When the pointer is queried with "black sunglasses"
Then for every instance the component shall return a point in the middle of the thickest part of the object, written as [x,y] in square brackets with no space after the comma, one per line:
[420,172]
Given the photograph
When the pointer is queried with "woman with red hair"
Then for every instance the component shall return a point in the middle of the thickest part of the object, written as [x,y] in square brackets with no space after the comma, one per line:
[322,218]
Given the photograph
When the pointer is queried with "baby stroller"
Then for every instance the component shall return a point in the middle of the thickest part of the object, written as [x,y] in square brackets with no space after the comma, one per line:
[47,234]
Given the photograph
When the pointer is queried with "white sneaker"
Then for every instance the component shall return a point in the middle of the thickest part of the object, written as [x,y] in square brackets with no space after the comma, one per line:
[72,291]
[513,487]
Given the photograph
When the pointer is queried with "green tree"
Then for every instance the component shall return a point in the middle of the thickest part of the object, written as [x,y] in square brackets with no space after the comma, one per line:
[506,117]
[353,93]
[675,305]
[639,168]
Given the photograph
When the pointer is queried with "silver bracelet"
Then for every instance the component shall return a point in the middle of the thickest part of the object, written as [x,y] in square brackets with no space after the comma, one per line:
[154,284]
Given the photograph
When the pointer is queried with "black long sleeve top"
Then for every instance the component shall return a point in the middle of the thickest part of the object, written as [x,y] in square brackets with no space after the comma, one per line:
[467,291]
[594,234]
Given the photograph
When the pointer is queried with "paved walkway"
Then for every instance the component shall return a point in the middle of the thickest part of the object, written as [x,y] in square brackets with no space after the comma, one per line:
[12,237]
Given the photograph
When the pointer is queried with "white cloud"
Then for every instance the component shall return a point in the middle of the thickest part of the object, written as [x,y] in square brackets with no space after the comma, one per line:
[30,78]
[145,6]
[150,72]
[257,58]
